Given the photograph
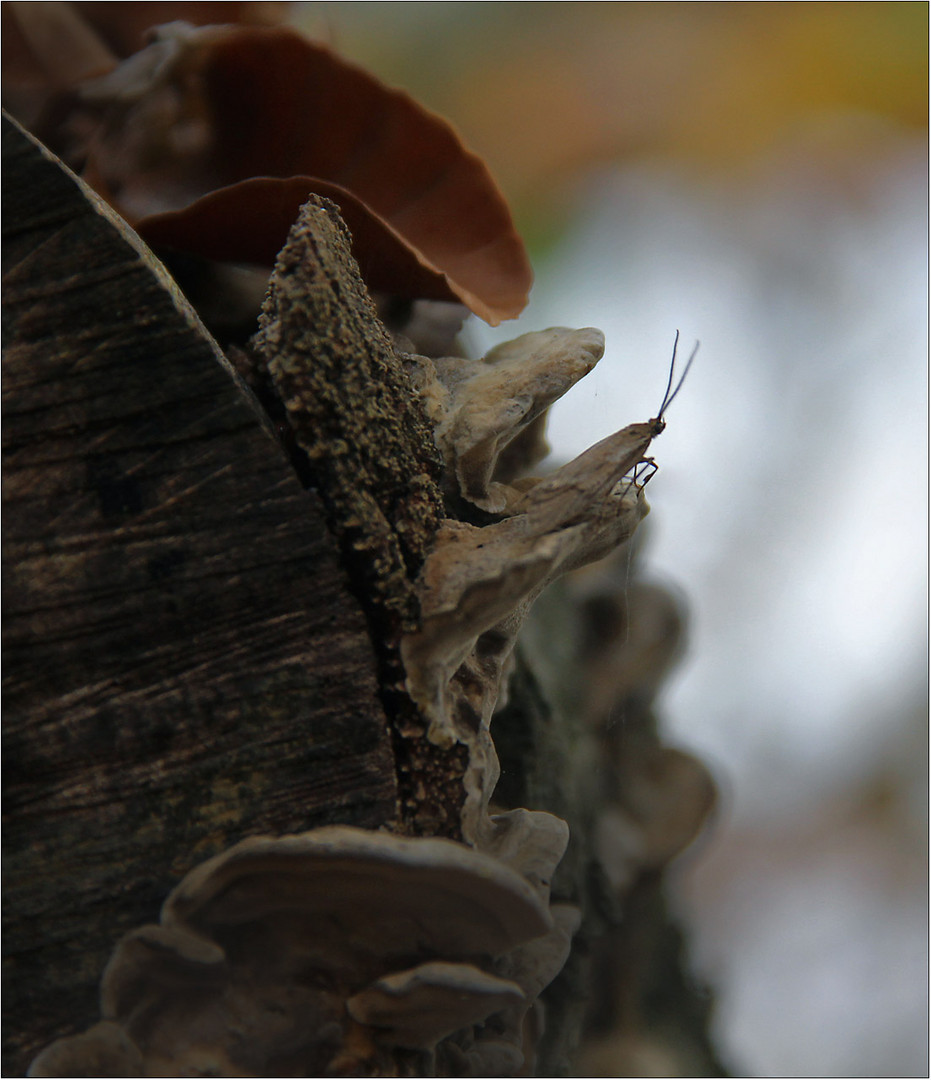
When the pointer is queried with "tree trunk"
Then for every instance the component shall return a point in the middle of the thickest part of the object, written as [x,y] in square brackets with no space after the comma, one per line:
[203,626]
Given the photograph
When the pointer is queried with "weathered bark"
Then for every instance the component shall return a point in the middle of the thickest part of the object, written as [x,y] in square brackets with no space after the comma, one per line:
[360,434]
[184,662]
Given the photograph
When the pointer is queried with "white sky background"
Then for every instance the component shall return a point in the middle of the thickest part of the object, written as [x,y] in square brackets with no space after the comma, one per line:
[791,502]
[791,511]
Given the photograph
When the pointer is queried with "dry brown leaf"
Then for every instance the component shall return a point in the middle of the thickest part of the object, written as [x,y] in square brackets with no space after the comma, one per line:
[48,47]
[426,216]
[210,139]
[264,208]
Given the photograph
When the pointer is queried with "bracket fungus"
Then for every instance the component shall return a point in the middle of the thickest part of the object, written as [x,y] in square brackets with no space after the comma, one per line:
[658,798]
[479,582]
[481,407]
[268,955]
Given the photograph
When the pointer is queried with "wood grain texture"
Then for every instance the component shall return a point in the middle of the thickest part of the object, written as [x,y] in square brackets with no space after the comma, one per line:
[183,662]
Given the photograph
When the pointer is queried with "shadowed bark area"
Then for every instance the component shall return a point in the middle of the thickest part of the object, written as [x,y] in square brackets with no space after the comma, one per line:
[184,664]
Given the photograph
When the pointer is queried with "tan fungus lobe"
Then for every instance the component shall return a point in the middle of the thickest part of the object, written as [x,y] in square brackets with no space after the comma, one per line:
[478,582]
[667,797]
[453,900]
[103,1050]
[479,407]
[419,1007]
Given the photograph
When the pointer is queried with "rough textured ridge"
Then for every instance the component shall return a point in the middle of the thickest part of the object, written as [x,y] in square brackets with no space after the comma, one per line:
[364,441]
[350,404]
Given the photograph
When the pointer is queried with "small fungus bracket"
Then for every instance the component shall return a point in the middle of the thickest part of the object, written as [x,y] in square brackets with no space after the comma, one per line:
[482,409]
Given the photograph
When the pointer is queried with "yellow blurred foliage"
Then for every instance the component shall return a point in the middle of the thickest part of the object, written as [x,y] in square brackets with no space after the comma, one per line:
[543,90]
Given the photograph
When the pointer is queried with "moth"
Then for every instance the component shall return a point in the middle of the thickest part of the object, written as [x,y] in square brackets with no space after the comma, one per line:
[597,472]
[641,435]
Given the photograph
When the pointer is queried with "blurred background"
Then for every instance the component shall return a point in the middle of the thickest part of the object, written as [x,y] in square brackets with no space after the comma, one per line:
[754,175]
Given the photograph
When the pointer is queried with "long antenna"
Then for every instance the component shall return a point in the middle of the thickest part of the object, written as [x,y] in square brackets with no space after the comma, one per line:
[672,370]
[668,397]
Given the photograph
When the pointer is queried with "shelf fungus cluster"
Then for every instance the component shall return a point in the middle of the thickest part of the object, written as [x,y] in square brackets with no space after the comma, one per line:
[337,952]
[479,581]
